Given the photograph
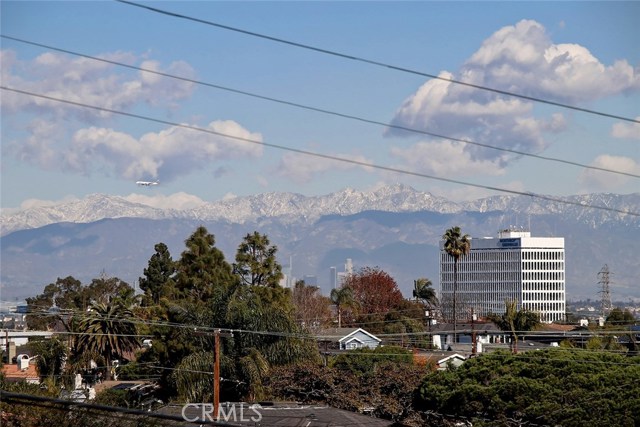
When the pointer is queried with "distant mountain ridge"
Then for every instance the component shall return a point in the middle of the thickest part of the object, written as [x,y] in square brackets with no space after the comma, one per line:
[295,207]
[395,228]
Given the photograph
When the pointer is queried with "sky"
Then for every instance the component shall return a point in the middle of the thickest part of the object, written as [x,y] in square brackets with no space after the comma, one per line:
[315,97]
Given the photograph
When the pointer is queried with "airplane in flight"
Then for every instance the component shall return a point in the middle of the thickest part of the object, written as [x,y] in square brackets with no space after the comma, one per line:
[147,183]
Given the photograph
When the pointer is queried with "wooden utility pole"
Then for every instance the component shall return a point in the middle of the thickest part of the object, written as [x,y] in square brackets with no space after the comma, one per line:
[216,366]
[216,370]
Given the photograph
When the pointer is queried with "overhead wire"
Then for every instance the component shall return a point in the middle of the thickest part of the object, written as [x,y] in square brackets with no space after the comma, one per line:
[322,110]
[310,336]
[325,156]
[62,404]
[376,63]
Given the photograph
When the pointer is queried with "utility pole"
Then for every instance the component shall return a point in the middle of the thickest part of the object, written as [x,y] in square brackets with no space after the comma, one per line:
[216,370]
[217,333]
[216,374]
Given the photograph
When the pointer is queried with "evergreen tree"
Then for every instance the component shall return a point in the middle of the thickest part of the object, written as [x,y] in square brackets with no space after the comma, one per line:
[256,262]
[63,295]
[158,276]
[202,269]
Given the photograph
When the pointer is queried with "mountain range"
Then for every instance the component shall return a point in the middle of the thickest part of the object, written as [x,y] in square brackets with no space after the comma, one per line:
[395,228]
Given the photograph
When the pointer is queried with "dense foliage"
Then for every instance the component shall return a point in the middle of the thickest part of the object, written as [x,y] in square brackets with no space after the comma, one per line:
[383,385]
[208,294]
[552,387]
[268,352]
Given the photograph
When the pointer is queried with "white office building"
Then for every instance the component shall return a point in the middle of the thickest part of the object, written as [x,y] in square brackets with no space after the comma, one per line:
[514,266]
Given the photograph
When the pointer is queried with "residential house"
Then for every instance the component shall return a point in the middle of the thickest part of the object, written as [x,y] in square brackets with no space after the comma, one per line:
[441,360]
[485,333]
[346,339]
[22,370]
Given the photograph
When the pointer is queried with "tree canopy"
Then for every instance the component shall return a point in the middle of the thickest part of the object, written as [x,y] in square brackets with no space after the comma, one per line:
[256,261]
[550,387]
[157,281]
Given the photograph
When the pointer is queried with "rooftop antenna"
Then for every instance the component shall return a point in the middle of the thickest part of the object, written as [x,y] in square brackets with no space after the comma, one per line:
[603,281]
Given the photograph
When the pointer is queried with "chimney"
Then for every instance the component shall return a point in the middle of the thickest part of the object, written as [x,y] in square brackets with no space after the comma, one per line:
[11,351]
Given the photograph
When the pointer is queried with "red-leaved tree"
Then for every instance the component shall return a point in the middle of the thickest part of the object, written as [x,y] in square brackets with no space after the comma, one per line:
[375,292]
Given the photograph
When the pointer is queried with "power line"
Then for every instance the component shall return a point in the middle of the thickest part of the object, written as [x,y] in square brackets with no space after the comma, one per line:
[325,111]
[322,110]
[376,63]
[325,156]
[49,402]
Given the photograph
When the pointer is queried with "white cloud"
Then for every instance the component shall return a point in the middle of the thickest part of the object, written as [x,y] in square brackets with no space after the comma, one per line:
[595,180]
[520,59]
[523,58]
[445,159]
[179,201]
[626,130]
[302,168]
[90,82]
[166,154]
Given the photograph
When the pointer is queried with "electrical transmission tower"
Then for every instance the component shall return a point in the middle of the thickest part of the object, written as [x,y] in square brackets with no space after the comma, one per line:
[603,281]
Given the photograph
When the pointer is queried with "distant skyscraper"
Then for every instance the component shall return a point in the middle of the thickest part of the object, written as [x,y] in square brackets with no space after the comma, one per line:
[333,277]
[515,266]
[348,267]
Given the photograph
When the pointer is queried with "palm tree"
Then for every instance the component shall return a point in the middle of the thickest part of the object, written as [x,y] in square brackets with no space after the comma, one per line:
[514,320]
[108,330]
[456,245]
[342,297]
[423,291]
[52,356]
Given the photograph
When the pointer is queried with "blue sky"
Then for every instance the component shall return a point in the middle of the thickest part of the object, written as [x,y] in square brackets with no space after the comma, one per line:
[583,54]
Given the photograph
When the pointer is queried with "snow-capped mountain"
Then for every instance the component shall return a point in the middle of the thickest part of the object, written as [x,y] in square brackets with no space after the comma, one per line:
[291,207]
[395,228]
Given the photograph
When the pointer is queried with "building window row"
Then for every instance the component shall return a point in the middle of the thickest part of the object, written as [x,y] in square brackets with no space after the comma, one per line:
[543,286]
[556,265]
[483,277]
[543,275]
[543,296]
[543,255]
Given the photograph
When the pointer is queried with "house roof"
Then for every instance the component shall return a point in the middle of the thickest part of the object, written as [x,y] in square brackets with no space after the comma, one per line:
[12,372]
[293,415]
[556,327]
[479,327]
[340,334]
[438,357]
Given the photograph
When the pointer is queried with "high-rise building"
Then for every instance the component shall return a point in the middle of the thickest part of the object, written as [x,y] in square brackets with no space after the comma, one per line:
[337,278]
[333,278]
[514,266]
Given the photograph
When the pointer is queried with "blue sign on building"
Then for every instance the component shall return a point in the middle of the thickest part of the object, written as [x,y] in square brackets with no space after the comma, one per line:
[510,243]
